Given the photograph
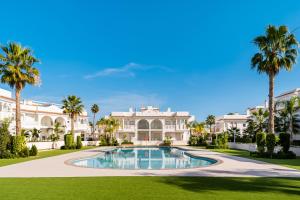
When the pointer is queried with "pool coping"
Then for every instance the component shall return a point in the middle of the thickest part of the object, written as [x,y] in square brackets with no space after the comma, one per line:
[69,162]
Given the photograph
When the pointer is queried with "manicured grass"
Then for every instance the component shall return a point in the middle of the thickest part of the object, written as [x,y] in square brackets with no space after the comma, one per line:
[292,163]
[42,154]
[150,188]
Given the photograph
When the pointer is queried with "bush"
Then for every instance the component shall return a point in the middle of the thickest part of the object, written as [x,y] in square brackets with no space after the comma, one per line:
[211,146]
[69,141]
[78,142]
[261,142]
[126,142]
[24,152]
[114,142]
[286,155]
[33,151]
[167,141]
[222,141]
[270,143]
[296,142]
[195,140]
[104,141]
[4,139]
[285,141]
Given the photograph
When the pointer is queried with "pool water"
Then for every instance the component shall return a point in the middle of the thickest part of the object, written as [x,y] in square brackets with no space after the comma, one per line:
[144,158]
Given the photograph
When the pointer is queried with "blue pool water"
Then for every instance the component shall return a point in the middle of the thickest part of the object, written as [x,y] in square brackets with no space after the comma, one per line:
[144,158]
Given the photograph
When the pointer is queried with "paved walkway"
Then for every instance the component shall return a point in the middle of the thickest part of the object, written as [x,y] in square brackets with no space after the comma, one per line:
[231,166]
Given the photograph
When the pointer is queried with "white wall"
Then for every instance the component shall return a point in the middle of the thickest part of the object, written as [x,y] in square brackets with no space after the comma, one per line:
[252,147]
[58,144]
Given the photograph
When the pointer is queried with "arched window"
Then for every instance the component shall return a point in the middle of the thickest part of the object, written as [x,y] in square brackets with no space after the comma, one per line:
[143,124]
[47,121]
[156,124]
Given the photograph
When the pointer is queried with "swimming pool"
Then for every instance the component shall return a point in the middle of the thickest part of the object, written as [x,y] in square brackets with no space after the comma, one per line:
[144,158]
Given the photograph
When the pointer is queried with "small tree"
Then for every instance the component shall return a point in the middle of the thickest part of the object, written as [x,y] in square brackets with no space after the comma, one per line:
[210,120]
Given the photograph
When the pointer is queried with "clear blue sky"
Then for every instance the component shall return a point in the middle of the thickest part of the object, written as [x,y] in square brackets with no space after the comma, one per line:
[187,55]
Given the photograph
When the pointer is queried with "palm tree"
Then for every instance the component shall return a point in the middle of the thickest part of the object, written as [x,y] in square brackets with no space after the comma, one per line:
[110,125]
[260,118]
[95,109]
[277,50]
[16,70]
[199,128]
[210,120]
[288,118]
[72,106]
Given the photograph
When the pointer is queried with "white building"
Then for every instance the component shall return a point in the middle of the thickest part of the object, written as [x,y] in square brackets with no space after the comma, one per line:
[229,121]
[41,116]
[150,126]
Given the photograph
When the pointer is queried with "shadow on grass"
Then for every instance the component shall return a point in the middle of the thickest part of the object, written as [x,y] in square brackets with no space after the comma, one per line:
[212,184]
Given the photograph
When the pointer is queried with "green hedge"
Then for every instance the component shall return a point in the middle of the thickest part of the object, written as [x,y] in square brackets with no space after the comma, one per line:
[270,143]
[285,141]
[261,142]
[78,142]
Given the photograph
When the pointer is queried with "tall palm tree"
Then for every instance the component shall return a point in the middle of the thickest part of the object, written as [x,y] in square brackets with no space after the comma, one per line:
[72,106]
[16,70]
[210,120]
[277,50]
[95,109]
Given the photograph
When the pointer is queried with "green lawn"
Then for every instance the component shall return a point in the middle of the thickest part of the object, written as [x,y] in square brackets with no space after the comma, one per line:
[150,188]
[42,154]
[292,163]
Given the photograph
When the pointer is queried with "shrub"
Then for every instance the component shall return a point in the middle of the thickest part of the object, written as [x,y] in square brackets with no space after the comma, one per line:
[212,147]
[33,151]
[126,142]
[222,141]
[192,140]
[24,152]
[78,142]
[285,141]
[114,142]
[296,142]
[4,139]
[167,141]
[270,143]
[195,140]
[286,155]
[261,142]
[103,140]
[69,141]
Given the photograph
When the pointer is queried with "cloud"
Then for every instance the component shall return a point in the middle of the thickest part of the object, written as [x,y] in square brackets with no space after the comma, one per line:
[123,101]
[128,70]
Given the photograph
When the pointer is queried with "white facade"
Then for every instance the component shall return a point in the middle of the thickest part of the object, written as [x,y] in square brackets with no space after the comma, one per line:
[150,126]
[235,120]
[41,116]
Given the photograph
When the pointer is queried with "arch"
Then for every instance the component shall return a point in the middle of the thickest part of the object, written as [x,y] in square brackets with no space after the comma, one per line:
[143,124]
[156,124]
[46,121]
[61,121]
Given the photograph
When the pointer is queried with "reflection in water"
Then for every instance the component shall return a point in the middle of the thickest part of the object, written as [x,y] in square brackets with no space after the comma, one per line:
[144,158]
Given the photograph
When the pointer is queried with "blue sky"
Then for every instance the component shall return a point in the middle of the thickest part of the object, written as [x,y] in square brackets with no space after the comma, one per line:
[187,55]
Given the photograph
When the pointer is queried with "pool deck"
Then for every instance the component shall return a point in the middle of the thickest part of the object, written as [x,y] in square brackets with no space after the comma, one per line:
[230,166]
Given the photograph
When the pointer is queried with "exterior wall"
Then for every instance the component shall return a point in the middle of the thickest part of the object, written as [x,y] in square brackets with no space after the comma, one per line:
[58,144]
[226,122]
[252,147]
[39,115]
[150,126]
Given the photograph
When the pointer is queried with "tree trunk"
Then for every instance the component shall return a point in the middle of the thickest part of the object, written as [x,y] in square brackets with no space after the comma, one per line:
[93,133]
[271,104]
[72,124]
[18,112]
